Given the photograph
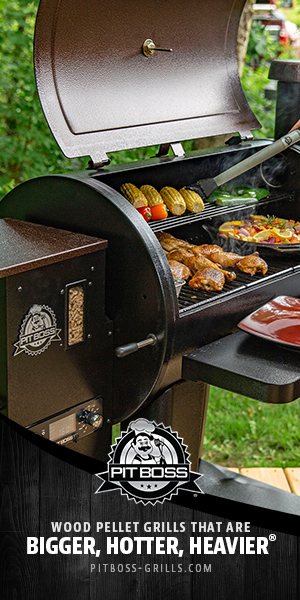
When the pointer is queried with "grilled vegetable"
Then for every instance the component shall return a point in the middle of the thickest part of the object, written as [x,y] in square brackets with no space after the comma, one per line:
[159,211]
[258,193]
[173,200]
[134,195]
[152,195]
[240,193]
[261,229]
[145,211]
[235,200]
[194,202]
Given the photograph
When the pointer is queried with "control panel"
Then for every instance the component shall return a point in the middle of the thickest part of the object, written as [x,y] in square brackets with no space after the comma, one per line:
[73,424]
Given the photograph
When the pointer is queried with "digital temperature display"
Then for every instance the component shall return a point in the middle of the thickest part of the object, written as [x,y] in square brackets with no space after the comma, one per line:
[62,428]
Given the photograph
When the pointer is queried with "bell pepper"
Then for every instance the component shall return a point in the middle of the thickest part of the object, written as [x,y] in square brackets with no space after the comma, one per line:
[159,211]
[145,211]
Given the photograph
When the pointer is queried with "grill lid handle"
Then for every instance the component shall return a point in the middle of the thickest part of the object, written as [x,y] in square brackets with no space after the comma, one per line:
[132,347]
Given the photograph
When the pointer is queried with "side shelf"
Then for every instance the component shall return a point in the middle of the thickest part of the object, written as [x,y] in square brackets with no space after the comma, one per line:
[243,364]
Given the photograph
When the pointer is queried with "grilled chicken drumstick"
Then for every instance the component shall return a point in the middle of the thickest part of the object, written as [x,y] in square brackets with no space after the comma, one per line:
[169,242]
[194,263]
[180,254]
[208,280]
[225,259]
[206,249]
[252,264]
[179,270]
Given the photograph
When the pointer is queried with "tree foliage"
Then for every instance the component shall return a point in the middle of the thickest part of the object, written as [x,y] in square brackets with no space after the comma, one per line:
[27,148]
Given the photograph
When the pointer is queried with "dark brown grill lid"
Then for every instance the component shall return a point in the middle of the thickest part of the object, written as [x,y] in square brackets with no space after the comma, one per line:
[100,92]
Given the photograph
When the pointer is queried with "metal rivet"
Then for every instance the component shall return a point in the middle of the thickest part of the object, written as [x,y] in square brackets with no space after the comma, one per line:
[92,268]
[20,288]
[108,421]
[109,333]
[90,283]
[89,335]
[62,292]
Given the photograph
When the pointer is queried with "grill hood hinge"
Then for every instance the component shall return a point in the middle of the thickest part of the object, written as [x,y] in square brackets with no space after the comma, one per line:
[98,164]
[238,139]
[176,148]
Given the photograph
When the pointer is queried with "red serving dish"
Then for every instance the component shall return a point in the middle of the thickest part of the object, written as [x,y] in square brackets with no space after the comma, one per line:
[277,321]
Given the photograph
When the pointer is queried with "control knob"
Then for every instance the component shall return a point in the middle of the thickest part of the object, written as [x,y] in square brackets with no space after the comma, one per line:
[90,418]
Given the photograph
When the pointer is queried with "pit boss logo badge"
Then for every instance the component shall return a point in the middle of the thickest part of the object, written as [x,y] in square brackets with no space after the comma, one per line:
[38,329]
[148,463]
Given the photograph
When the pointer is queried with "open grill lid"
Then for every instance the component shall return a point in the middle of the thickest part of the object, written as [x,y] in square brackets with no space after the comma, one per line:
[100,93]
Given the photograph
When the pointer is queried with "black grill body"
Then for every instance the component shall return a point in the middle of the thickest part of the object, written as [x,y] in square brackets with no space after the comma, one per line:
[101,93]
[140,297]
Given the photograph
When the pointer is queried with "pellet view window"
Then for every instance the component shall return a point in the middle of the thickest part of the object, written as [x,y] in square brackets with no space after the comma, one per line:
[75,315]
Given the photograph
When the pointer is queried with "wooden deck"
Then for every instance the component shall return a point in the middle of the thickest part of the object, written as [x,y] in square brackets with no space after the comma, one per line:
[287,479]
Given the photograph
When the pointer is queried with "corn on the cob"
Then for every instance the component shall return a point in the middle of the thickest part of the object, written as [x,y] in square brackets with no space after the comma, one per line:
[152,195]
[173,200]
[193,201]
[134,195]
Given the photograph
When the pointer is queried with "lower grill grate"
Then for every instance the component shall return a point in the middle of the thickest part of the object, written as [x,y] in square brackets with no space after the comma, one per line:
[190,298]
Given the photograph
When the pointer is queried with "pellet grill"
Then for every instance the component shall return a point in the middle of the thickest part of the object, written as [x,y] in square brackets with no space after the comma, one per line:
[105,85]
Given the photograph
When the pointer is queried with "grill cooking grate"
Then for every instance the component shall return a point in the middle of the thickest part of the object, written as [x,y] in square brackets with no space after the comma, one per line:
[211,211]
[190,298]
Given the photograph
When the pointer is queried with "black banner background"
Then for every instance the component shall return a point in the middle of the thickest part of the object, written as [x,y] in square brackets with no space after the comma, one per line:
[37,487]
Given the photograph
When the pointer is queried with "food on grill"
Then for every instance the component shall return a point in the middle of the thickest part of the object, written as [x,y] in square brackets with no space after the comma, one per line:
[159,211]
[179,270]
[208,280]
[196,259]
[193,201]
[260,229]
[145,211]
[152,195]
[235,200]
[173,200]
[225,259]
[235,196]
[180,254]
[201,262]
[169,241]
[206,249]
[252,264]
[134,195]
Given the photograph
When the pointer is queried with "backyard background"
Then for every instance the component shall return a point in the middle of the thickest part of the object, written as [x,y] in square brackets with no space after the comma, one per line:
[239,431]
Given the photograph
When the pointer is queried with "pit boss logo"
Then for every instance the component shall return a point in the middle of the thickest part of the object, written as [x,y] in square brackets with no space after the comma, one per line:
[38,329]
[148,464]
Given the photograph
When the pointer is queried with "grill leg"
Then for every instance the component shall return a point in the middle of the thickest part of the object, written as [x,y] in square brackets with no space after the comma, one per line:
[183,407]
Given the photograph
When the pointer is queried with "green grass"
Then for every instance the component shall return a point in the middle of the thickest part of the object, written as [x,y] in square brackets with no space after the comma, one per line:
[241,432]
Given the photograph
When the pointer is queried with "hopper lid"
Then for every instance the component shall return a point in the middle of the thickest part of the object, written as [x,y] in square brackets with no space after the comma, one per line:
[100,93]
